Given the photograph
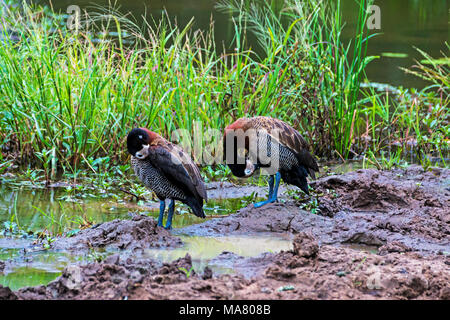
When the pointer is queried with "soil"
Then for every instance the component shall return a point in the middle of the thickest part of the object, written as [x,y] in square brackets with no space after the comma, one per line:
[376,235]
[138,233]
[369,207]
[309,271]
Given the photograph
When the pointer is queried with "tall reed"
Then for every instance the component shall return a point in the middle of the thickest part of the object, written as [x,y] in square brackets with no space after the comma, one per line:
[68,98]
[311,77]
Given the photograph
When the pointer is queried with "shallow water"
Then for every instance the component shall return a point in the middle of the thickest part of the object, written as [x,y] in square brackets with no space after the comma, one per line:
[56,210]
[25,210]
[28,266]
[203,249]
[31,268]
[53,209]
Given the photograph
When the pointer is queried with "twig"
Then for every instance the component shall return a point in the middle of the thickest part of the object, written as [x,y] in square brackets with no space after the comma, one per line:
[132,194]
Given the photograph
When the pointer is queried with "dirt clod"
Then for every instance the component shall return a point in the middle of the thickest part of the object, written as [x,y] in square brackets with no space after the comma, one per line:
[138,233]
[305,245]
[7,294]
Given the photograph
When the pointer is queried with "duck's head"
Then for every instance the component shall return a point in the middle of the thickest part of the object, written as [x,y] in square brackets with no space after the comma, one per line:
[236,143]
[138,142]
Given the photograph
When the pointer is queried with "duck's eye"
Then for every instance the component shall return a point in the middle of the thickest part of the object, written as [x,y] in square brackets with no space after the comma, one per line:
[140,137]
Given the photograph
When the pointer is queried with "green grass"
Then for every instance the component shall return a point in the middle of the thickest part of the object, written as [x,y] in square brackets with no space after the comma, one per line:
[410,121]
[69,99]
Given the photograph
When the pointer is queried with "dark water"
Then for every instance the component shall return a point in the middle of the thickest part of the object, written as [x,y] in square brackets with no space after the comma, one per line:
[404,24]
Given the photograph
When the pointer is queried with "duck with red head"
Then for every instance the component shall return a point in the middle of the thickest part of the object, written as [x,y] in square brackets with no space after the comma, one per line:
[267,143]
[168,171]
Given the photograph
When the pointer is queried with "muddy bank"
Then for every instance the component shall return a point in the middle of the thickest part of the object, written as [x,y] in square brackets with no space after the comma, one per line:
[409,207]
[402,214]
[309,271]
[138,233]
[7,294]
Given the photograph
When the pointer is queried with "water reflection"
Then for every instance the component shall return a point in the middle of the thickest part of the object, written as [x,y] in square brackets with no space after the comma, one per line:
[203,249]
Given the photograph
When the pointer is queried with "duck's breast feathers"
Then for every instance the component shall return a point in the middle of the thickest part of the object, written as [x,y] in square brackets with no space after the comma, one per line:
[177,166]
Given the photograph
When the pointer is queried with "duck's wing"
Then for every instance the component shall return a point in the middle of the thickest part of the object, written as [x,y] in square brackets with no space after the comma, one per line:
[287,136]
[178,167]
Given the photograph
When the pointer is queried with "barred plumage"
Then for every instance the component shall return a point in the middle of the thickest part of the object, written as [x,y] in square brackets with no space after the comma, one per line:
[155,181]
[287,158]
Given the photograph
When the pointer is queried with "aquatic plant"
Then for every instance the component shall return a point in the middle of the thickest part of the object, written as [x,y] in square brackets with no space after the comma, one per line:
[310,79]
[409,124]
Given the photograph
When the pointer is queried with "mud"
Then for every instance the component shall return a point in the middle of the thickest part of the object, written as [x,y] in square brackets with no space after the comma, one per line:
[7,294]
[407,206]
[309,271]
[402,215]
[138,233]
[227,190]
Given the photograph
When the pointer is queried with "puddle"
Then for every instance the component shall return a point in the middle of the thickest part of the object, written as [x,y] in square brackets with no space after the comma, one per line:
[204,249]
[215,208]
[361,247]
[34,210]
[26,210]
[27,276]
[31,267]
[23,269]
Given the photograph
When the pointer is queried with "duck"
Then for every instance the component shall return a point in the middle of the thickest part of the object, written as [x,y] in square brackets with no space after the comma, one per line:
[167,170]
[269,144]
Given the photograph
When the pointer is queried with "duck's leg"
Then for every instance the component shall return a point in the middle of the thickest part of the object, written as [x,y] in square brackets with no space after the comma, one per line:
[271,181]
[277,185]
[162,207]
[273,191]
[170,214]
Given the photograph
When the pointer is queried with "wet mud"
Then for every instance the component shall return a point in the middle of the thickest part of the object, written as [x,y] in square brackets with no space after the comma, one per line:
[309,271]
[140,232]
[409,207]
[375,235]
